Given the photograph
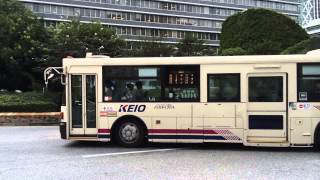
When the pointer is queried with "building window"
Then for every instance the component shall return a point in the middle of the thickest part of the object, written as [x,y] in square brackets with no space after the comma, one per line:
[109,14]
[309,82]
[224,88]
[46,8]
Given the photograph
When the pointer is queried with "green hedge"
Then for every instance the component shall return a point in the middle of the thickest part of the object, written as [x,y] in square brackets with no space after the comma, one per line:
[304,46]
[260,31]
[28,102]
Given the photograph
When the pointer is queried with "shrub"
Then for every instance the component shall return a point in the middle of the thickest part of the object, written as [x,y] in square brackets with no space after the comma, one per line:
[260,31]
[28,102]
[233,52]
[303,47]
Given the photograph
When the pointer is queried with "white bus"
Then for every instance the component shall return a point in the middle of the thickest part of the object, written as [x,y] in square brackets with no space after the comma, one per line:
[269,100]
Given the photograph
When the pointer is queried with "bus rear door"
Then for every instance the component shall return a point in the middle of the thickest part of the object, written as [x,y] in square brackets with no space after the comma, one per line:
[266,108]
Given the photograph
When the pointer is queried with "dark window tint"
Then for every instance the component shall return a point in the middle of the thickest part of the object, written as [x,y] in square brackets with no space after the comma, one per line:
[265,122]
[224,87]
[131,84]
[309,82]
[266,89]
[91,101]
[148,83]
[76,100]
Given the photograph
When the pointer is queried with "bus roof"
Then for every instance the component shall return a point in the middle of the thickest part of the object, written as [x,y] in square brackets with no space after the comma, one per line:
[251,59]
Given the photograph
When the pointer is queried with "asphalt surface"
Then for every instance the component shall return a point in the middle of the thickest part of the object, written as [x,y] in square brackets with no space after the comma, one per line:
[39,153]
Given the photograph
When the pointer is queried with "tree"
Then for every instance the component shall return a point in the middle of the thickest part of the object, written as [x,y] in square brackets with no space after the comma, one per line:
[75,39]
[150,47]
[156,48]
[260,31]
[191,46]
[233,52]
[22,44]
[304,46]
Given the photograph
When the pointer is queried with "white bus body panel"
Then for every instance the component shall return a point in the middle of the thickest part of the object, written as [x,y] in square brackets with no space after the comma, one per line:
[216,122]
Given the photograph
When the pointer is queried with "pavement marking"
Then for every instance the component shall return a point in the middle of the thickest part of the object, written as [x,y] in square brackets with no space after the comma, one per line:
[124,153]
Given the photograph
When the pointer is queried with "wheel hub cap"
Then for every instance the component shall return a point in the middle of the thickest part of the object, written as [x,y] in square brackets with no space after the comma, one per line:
[129,132]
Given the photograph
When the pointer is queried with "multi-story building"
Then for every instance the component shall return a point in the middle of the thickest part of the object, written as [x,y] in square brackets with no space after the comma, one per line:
[168,19]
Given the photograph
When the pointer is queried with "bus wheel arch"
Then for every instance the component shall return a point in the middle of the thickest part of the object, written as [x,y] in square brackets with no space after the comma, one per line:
[316,137]
[129,121]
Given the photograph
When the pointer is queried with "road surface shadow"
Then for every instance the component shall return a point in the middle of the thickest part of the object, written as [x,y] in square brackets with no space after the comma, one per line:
[189,146]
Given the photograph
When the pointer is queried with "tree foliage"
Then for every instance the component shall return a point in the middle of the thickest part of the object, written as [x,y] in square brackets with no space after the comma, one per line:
[22,43]
[233,52]
[260,31]
[154,47]
[190,46]
[75,39]
[151,47]
[27,47]
[304,46]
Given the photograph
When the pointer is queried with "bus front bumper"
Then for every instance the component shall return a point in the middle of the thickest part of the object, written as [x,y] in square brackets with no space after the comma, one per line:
[63,130]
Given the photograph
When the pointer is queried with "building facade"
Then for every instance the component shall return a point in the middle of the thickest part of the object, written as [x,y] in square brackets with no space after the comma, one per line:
[310,16]
[169,20]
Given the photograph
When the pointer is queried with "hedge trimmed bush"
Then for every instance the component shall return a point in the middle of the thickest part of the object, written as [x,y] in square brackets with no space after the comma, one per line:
[304,46]
[260,31]
[28,102]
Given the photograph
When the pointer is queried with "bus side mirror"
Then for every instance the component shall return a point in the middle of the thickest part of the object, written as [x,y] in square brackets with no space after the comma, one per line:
[50,72]
[50,76]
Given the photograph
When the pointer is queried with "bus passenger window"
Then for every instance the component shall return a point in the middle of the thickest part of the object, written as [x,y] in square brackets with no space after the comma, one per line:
[309,82]
[224,88]
[140,94]
[128,95]
[131,84]
[108,90]
[266,89]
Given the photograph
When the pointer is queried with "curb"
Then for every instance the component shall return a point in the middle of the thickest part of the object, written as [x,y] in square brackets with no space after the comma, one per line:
[58,114]
[30,118]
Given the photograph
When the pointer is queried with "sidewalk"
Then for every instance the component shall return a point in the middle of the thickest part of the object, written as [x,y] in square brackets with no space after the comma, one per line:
[29,119]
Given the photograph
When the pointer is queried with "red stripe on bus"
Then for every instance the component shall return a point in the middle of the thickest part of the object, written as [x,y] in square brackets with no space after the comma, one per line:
[103,130]
[185,131]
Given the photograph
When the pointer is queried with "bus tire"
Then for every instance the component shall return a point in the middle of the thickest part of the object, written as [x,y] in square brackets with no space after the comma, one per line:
[130,133]
[316,144]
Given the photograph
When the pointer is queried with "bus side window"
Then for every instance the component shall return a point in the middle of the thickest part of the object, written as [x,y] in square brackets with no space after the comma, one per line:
[131,84]
[309,82]
[266,89]
[224,87]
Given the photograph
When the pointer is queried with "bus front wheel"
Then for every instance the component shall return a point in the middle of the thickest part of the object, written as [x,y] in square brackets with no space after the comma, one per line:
[129,133]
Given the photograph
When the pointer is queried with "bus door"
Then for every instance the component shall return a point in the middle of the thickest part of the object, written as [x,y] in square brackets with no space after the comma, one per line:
[266,108]
[83,98]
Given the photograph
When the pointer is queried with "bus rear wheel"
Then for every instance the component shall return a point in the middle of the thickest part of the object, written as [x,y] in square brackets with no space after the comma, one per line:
[317,139]
[129,133]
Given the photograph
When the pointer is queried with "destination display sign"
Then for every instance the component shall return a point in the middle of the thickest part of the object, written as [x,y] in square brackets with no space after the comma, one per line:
[181,78]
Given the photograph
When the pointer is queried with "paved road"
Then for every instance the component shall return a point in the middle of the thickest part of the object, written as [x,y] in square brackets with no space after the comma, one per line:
[38,153]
